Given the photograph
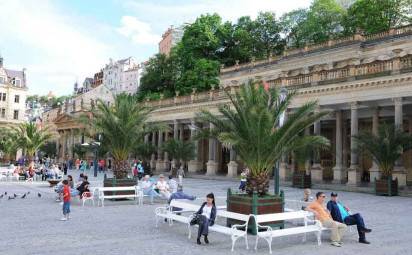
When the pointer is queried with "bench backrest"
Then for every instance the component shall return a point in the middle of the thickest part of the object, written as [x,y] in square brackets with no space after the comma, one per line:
[233,215]
[185,206]
[117,188]
[281,216]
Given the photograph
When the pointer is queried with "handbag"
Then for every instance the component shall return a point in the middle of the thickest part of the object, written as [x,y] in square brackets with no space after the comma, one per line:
[196,219]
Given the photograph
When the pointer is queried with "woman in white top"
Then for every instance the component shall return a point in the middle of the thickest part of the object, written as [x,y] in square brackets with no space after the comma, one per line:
[207,214]
[163,187]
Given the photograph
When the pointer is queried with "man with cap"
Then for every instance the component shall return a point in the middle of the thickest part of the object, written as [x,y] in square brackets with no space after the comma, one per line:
[342,214]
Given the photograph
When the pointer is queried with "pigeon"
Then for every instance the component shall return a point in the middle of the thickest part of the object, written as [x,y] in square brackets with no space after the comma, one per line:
[5,193]
[38,194]
[28,193]
[15,195]
[24,196]
[11,197]
[1,196]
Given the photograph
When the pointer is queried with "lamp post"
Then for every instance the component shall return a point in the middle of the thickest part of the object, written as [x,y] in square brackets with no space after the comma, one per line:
[95,147]
[276,178]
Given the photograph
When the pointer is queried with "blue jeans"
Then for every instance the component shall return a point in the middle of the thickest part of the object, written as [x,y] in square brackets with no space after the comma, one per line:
[66,208]
[151,193]
[203,226]
[356,219]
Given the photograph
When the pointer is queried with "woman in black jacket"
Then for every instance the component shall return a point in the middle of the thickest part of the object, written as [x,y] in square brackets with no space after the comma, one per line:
[207,213]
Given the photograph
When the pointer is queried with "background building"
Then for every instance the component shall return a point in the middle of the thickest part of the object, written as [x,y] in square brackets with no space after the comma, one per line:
[169,39]
[98,78]
[13,93]
[122,76]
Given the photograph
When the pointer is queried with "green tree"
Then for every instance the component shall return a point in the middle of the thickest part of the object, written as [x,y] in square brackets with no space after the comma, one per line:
[122,126]
[80,150]
[49,149]
[266,34]
[250,125]
[386,147]
[30,138]
[374,16]
[292,27]
[8,143]
[182,151]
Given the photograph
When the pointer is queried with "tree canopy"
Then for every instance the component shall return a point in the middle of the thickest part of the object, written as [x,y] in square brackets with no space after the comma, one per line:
[209,42]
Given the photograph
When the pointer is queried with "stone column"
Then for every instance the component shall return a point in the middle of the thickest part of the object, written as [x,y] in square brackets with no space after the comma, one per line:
[166,154]
[160,166]
[63,146]
[339,172]
[71,144]
[316,170]
[153,159]
[399,170]
[175,137]
[58,147]
[211,165]
[374,170]
[283,166]
[232,166]
[354,176]
[194,165]
[181,130]
[307,162]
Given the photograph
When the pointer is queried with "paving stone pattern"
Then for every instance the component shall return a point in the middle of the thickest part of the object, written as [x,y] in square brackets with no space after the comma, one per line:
[32,226]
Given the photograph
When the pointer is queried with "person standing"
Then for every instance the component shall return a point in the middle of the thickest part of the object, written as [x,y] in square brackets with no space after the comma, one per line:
[207,214]
[66,201]
[317,207]
[243,180]
[341,214]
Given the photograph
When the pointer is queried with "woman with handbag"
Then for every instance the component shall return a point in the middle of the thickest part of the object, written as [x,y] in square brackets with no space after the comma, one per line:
[206,217]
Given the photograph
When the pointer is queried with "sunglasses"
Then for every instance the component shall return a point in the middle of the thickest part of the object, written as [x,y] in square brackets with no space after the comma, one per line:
[323,196]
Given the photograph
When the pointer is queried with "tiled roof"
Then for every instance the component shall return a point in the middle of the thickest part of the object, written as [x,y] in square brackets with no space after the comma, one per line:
[16,74]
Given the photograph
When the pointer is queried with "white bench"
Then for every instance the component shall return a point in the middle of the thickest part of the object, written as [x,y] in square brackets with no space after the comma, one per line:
[102,196]
[235,232]
[270,233]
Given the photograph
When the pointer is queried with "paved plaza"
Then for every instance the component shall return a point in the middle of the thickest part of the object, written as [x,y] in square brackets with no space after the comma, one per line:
[32,226]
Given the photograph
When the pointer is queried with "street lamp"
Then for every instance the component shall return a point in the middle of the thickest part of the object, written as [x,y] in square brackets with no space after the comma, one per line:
[95,147]
[282,96]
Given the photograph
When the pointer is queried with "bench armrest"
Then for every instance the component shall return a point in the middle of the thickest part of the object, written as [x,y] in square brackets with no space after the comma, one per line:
[161,210]
[236,226]
[258,226]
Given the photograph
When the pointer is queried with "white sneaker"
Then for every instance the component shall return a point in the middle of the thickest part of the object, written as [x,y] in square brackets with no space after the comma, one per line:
[63,219]
[336,244]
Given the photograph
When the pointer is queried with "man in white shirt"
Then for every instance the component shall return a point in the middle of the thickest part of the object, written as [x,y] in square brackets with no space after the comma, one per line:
[163,187]
[147,186]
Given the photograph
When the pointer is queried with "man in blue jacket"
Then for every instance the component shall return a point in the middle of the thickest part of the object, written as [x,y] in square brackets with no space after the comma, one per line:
[341,214]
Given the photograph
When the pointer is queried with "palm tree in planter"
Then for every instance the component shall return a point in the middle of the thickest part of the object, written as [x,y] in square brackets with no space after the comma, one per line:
[250,124]
[302,154]
[30,138]
[122,126]
[181,151]
[386,148]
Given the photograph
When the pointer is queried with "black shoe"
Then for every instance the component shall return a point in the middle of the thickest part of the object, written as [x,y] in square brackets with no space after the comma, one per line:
[198,241]
[366,230]
[206,240]
[364,241]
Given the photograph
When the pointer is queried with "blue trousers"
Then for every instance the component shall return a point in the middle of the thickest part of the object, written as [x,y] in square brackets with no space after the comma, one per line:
[356,219]
[203,227]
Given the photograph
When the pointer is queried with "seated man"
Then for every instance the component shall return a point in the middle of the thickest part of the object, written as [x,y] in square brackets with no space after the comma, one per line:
[180,195]
[341,214]
[147,186]
[172,184]
[317,207]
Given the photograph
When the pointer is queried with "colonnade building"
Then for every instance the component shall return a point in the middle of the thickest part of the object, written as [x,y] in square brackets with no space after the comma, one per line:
[362,80]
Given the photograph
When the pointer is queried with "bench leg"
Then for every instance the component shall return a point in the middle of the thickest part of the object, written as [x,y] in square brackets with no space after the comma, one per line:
[190,231]
[304,238]
[233,242]
[269,241]
[247,243]
[319,235]
[256,243]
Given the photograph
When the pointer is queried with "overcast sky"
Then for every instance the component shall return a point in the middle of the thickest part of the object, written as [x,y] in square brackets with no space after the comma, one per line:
[61,41]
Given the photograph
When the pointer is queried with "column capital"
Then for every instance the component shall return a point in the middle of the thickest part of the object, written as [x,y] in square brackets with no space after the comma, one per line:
[397,100]
[354,105]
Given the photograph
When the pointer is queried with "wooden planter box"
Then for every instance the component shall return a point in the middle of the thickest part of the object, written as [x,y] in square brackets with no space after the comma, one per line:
[247,204]
[301,180]
[386,187]
[113,182]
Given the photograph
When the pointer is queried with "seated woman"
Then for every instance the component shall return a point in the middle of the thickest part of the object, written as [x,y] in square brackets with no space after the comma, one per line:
[84,187]
[207,214]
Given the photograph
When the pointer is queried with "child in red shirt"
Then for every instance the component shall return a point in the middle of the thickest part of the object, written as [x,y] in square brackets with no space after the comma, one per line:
[66,200]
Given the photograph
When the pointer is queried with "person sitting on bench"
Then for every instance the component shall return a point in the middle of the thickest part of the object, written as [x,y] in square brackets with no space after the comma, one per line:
[341,214]
[318,208]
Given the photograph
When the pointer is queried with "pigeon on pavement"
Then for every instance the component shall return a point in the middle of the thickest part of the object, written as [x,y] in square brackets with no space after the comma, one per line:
[5,193]
[28,193]
[1,196]
[24,196]
[11,197]
[15,195]
[38,194]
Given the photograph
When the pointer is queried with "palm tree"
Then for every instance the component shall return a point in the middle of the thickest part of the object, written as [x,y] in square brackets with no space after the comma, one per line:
[122,125]
[182,151]
[251,126]
[8,143]
[305,151]
[30,138]
[386,147]
[80,150]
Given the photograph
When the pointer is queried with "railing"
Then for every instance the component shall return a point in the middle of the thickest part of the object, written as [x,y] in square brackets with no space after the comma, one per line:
[334,74]
[375,67]
[406,62]
[330,43]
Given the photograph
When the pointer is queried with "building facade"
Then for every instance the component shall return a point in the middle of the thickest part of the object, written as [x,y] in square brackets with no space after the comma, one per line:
[63,121]
[169,39]
[122,76]
[98,79]
[362,80]
[13,93]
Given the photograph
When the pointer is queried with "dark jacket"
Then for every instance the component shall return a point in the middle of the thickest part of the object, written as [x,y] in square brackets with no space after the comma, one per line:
[334,211]
[212,214]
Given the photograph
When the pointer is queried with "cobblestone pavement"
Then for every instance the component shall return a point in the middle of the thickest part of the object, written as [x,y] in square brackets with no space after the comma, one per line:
[32,226]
